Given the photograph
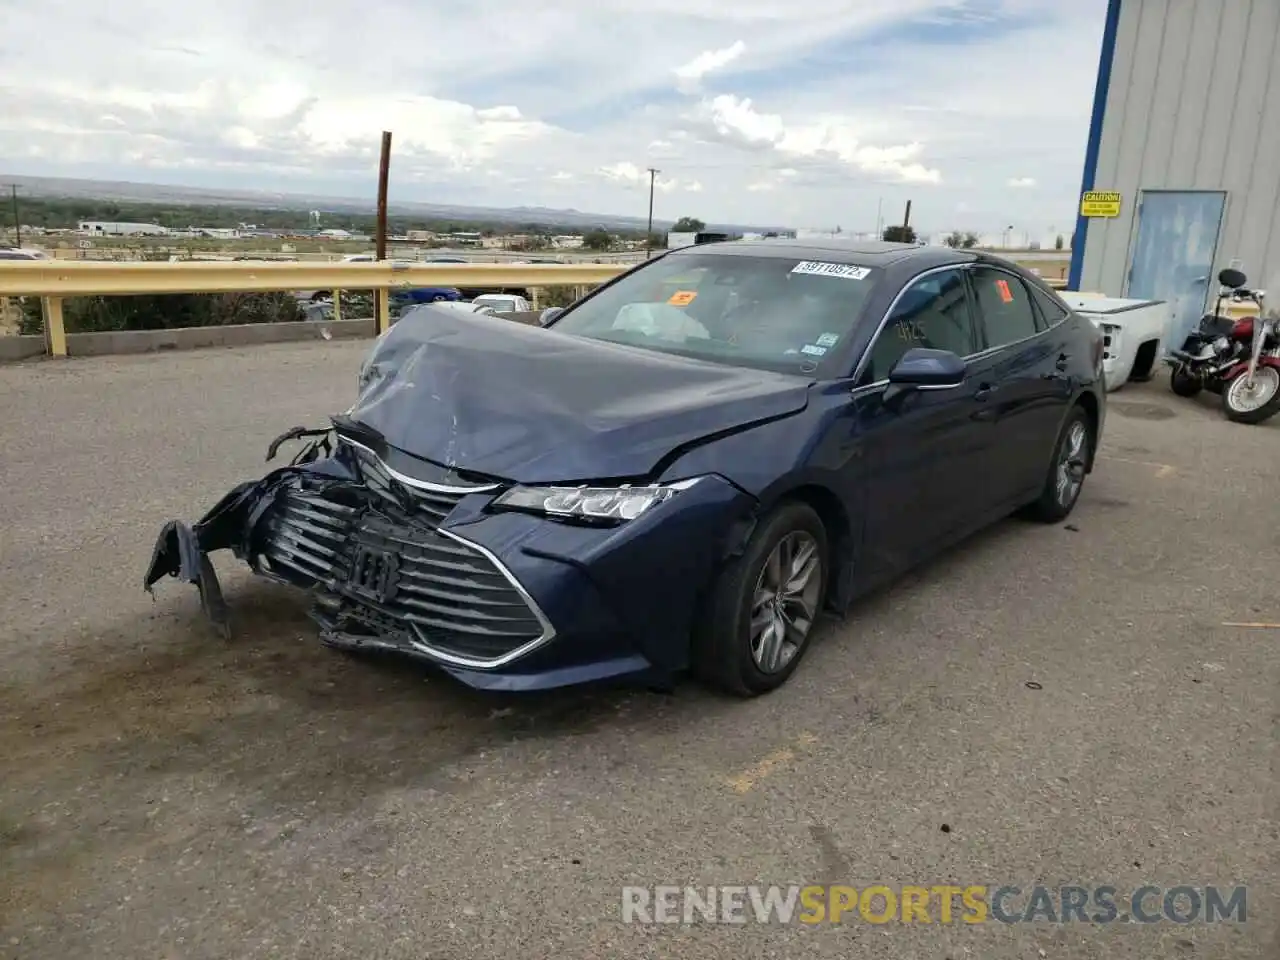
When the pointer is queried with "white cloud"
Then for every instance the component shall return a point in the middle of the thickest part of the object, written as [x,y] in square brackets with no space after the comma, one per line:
[862,101]
[627,172]
[689,76]
[736,121]
[1021,182]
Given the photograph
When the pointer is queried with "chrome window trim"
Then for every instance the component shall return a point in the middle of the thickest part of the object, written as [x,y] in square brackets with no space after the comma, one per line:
[866,353]
[409,481]
[868,388]
[548,630]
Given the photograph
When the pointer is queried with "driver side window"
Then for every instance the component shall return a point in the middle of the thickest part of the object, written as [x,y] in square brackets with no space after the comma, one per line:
[932,312]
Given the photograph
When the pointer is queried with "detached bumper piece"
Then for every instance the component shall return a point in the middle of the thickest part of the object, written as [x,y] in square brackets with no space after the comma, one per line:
[366,542]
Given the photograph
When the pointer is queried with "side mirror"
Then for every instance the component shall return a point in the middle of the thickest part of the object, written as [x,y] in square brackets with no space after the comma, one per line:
[549,314]
[1233,278]
[924,369]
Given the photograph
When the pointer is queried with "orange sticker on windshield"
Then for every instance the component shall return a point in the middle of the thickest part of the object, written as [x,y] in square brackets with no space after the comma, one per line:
[1005,293]
[682,298]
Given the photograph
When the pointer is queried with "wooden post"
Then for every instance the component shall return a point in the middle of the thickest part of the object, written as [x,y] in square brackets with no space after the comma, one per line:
[384,175]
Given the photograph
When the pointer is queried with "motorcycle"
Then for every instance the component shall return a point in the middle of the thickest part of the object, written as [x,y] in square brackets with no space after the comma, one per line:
[1237,359]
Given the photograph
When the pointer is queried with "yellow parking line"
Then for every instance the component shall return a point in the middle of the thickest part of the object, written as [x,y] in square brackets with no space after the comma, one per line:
[745,781]
[1162,469]
[1255,626]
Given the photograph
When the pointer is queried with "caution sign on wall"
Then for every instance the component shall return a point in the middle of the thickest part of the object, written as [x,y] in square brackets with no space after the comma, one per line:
[1099,203]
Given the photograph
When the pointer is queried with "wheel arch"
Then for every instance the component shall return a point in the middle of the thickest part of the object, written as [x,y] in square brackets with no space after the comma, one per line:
[837,523]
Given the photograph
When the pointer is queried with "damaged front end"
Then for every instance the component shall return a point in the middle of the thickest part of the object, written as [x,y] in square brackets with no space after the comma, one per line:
[365,540]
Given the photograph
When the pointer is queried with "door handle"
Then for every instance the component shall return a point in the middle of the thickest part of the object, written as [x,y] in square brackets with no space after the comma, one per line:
[984,392]
[1063,360]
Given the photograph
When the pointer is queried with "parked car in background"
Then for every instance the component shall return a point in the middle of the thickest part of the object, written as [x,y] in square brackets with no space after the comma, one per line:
[401,298]
[22,253]
[660,481]
[504,302]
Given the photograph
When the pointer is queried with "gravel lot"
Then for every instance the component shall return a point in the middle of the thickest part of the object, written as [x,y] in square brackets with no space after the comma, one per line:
[1070,702]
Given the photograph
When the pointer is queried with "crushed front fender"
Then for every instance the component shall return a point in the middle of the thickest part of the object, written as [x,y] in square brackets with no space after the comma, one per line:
[182,550]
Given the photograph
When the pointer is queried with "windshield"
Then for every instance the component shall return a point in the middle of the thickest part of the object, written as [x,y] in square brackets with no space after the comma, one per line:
[770,313]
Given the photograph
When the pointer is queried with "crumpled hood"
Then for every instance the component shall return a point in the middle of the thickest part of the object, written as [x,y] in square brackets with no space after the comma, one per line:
[523,403]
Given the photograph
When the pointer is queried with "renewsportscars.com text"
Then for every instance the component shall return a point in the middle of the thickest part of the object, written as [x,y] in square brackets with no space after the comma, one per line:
[906,904]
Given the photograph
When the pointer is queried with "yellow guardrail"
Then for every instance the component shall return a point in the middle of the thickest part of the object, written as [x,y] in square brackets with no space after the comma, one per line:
[55,280]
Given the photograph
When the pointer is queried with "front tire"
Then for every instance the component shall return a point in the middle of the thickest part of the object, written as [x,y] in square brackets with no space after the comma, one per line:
[1066,475]
[757,622]
[1244,405]
[1183,384]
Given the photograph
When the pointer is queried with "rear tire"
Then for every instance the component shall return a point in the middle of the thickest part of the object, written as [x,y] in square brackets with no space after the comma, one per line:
[1065,479]
[1183,384]
[758,619]
[1266,379]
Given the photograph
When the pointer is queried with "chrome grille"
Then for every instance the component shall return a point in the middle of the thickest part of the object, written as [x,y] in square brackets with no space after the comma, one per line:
[431,505]
[450,599]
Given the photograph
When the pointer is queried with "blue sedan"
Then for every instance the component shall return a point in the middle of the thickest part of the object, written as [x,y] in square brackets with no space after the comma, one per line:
[680,472]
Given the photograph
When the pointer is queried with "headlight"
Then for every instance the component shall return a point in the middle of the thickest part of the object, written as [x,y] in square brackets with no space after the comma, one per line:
[604,504]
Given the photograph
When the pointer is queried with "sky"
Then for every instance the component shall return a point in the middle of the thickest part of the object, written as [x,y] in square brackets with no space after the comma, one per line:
[817,115]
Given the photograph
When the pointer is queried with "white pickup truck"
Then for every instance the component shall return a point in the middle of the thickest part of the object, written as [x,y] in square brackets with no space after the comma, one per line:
[1135,333]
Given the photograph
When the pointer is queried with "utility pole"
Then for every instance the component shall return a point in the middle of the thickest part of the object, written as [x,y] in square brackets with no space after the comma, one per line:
[17,223]
[880,218]
[906,217]
[648,234]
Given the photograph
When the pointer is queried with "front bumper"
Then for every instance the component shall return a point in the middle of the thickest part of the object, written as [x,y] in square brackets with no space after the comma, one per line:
[500,600]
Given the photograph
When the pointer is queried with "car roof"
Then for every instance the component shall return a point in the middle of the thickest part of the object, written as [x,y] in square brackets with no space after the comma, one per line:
[877,253]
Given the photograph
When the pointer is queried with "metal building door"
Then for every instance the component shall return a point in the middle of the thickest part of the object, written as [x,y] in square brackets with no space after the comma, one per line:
[1174,254]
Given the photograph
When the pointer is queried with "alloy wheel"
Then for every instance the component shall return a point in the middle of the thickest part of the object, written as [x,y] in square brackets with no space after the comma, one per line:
[1071,464]
[785,602]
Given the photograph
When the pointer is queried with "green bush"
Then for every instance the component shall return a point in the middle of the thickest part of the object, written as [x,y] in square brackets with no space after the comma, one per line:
[164,311]
[563,296]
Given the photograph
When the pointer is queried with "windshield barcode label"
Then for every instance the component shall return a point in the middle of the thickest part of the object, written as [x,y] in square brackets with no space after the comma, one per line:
[844,271]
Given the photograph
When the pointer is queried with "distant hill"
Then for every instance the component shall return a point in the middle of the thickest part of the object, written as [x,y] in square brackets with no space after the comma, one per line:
[120,190]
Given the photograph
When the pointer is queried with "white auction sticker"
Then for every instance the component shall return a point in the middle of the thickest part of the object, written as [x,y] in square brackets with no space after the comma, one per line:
[819,268]
[828,340]
[813,351]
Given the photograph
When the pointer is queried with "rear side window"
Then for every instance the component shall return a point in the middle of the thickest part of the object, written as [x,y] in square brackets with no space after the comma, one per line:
[1005,305]
[1052,312]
